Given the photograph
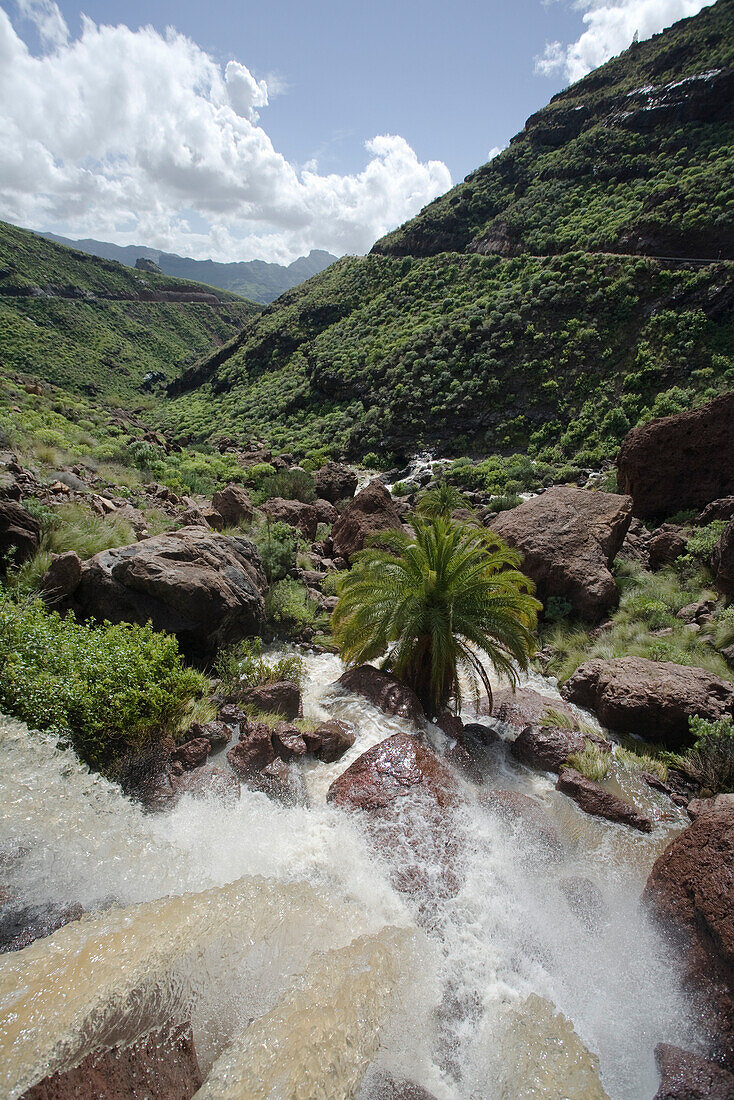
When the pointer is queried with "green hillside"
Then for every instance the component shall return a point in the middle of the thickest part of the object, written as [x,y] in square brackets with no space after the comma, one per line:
[525,310]
[93,326]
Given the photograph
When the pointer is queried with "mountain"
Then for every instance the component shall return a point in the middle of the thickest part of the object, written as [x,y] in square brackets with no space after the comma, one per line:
[254,279]
[576,285]
[93,326]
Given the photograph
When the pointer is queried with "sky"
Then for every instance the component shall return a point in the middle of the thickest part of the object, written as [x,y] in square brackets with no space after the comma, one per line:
[232,130]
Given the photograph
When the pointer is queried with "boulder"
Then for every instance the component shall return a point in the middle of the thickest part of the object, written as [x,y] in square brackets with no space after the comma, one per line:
[717,509]
[636,543]
[62,578]
[691,892]
[335,482]
[330,740]
[254,751]
[208,782]
[205,588]
[523,707]
[688,1076]
[20,927]
[192,754]
[304,517]
[722,561]
[679,462]
[160,1066]
[568,539]
[20,534]
[653,699]
[406,798]
[370,511]
[383,690]
[381,1086]
[594,800]
[288,742]
[718,804]
[547,748]
[325,511]
[217,733]
[282,697]
[233,504]
[665,545]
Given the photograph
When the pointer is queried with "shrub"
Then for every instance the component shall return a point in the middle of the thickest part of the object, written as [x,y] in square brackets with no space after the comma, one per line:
[504,502]
[593,762]
[709,764]
[557,608]
[277,544]
[242,665]
[700,546]
[290,484]
[288,607]
[107,690]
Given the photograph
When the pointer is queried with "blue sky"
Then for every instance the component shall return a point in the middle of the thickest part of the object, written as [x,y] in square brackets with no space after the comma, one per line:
[235,130]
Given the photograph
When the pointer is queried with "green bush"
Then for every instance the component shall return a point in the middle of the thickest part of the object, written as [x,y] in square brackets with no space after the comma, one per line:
[277,544]
[700,546]
[289,484]
[288,607]
[106,690]
[709,764]
[243,666]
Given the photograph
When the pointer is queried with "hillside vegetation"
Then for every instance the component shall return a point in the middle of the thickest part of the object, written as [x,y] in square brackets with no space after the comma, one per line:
[95,327]
[529,308]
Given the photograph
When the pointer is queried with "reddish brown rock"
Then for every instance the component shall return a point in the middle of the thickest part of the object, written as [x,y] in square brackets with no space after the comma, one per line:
[569,539]
[383,690]
[691,892]
[383,1087]
[549,747]
[192,754]
[653,699]
[20,533]
[161,1066]
[218,734]
[371,511]
[335,482]
[233,504]
[330,740]
[20,927]
[62,578]
[717,509]
[254,751]
[679,462]
[205,588]
[523,707]
[282,697]
[594,800]
[276,780]
[398,767]
[304,517]
[288,741]
[723,561]
[688,1076]
[207,782]
[665,545]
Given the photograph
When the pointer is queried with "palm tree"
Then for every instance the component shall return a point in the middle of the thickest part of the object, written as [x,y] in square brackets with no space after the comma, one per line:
[442,500]
[432,604]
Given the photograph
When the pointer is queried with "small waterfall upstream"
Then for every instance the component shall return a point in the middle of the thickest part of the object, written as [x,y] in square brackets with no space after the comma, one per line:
[275,930]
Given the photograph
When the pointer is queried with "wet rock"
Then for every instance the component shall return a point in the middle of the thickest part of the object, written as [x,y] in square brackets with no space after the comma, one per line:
[380,1086]
[584,899]
[288,742]
[722,561]
[304,517]
[594,800]
[371,511]
[62,578]
[276,779]
[194,753]
[383,690]
[666,544]
[525,814]
[20,927]
[205,588]
[161,1066]
[330,740]
[397,768]
[253,752]
[233,504]
[569,539]
[688,1076]
[20,534]
[208,782]
[719,804]
[653,699]
[523,707]
[282,697]
[691,892]
[335,482]
[547,748]
[679,462]
[477,731]
[217,733]
[456,751]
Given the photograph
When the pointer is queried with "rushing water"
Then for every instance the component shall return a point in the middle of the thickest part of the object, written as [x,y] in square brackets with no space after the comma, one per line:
[276,931]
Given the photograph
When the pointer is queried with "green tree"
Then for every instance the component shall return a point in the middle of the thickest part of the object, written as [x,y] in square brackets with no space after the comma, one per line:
[442,500]
[433,604]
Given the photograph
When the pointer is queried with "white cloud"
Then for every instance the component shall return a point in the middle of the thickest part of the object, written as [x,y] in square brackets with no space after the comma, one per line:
[495,151]
[122,134]
[610,28]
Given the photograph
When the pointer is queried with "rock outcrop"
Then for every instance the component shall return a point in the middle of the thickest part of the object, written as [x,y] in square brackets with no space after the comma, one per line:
[383,690]
[370,511]
[594,800]
[568,539]
[62,578]
[547,748]
[282,697]
[20,534]
[335,482]
[205,588]
[679,462]
[665,545]
[691,891]
[688,1076]
[653,699]
[161,1066]
[723,561]
[523,707]
[304,517]
[233,504]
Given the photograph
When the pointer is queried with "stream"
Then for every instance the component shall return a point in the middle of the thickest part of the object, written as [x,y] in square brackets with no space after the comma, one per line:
[276,931]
